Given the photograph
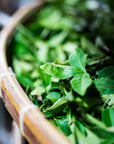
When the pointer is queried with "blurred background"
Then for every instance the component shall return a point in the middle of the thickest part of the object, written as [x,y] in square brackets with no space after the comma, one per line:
[10,6]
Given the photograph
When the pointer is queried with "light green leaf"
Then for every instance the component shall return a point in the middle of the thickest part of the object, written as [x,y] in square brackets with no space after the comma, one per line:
[21,66]
[70,47]
[89,48]
[78,60]
[109,99]
[81,127]
[58,71]
[42,52]
[50,16]
[92,136]
[81,138]
[57,39]
[92,120]
[38,91]
[70,96]
[53,19]
[80,83]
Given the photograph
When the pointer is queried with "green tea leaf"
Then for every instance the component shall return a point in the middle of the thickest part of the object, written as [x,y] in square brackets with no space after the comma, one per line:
[81,138]
[78,60]
[58,71]
[108,141]
[103,133]
[109,99]
[92,136]
[90,48]
[81,82]
[108,117]
[21,66]
[107,72]
[92,120]
[81,127]
[42,51]
[54,96]
[63,125]
[58,39]
[38,91]
[70,96]
[25,81]
[58,106]
[104,86]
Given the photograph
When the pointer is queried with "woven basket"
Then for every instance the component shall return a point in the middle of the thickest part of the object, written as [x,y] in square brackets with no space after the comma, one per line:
[36,127]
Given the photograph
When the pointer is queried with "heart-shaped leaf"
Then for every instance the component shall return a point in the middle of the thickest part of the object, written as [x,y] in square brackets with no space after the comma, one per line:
[54,96]
[78,60]
[81,82]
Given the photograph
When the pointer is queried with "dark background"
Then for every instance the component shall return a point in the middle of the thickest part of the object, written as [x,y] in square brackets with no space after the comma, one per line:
[10,6]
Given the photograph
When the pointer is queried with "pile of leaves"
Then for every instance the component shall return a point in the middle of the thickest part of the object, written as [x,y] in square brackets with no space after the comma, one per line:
[63,57]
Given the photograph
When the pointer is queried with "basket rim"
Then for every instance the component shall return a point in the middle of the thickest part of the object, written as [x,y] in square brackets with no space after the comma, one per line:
[36,129]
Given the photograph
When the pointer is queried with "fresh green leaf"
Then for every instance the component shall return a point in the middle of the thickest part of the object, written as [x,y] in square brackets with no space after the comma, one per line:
[78,60]
[103,133]
[107,72]
[104,86]
[63,125]
[38,91]
[25,81]
[108,117]
[58,106]
[58,39]
[81,82]
[54,96]
[90,48]
[58,71]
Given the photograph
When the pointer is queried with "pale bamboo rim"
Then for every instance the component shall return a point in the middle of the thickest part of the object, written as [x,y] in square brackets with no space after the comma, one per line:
[36,128]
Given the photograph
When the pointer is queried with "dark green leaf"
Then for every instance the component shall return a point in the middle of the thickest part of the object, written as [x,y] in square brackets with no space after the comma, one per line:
[104,86]
[108,117]
[63,125]
[107,72]
[58,106]
[103,133]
